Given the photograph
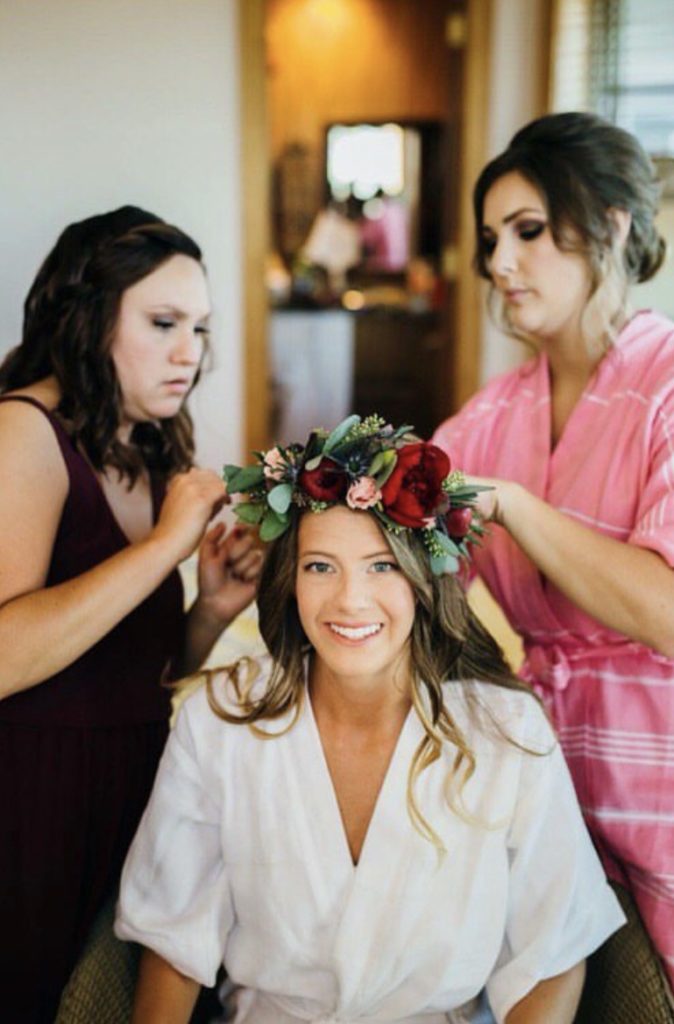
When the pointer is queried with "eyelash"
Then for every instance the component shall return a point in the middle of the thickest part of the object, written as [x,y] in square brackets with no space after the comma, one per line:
[526,230]
[166,325]
[531,229]
[319,568]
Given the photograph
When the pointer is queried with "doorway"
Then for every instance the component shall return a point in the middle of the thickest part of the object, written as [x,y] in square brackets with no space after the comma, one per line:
[402,324]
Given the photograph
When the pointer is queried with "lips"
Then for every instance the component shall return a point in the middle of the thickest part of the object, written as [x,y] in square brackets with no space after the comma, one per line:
[355,633]
[516,294]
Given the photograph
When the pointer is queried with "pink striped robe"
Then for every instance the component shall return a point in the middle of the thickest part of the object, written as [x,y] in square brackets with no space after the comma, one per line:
[612,700]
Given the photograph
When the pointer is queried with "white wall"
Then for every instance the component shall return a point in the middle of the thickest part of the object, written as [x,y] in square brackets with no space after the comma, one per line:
[106,102]
[516,71]
[658,294]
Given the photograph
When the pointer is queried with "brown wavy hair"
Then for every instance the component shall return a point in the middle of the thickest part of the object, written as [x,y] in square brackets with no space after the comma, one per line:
[449,646]
[584,168]
[70,315]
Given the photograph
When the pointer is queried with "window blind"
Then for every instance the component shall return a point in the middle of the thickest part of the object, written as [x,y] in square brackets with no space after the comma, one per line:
[616,57]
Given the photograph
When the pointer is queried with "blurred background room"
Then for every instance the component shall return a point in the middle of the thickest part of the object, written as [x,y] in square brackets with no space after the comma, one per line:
[322,152]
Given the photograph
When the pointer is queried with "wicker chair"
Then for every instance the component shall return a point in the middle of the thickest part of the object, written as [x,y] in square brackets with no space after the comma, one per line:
[100,989]
[625,983]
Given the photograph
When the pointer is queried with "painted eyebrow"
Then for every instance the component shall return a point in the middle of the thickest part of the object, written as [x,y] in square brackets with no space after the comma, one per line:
[179,314]
[327,554]
[516,213]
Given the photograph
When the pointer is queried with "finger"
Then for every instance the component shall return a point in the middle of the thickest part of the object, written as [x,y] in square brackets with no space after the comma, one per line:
[215,532]
[249,570]
[239,542]
[250,562]
[211,542]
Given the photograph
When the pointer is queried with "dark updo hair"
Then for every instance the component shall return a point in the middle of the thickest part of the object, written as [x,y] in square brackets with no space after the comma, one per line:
[583,167]
[70,314]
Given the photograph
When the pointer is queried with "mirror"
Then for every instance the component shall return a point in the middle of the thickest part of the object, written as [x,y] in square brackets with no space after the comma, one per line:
[387,178]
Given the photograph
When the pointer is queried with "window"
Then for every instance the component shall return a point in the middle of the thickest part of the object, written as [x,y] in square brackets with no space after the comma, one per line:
[615,57]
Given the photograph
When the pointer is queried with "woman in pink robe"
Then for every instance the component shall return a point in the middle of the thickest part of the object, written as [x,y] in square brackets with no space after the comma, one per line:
[579,445]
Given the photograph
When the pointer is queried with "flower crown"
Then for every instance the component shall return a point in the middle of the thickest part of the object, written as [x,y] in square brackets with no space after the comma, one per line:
[366,464]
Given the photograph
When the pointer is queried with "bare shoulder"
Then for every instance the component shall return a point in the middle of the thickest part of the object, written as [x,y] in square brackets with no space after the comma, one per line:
[31,507]
[27,436]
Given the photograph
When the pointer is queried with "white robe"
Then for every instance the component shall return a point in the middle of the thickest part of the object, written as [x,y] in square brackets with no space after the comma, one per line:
[241,858]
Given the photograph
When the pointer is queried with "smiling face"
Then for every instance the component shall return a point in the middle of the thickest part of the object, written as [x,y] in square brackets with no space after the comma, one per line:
[355,605]
[159,339]
[545,289]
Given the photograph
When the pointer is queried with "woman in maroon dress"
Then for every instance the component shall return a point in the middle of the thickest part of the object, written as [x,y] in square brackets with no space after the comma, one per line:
[98,505]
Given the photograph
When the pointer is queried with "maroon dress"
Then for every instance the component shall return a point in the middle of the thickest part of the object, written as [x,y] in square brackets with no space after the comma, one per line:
[78,755]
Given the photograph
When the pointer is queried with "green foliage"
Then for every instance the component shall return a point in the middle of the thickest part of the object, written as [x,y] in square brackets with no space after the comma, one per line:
[249,513]
[273,525]
[244,478]
[280,498]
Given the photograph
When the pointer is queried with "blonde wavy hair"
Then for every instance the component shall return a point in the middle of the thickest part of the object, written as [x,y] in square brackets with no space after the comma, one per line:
[448,647]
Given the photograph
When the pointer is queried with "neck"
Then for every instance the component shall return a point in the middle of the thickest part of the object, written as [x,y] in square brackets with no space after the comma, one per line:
[569,365]
[363,702]
[569,356]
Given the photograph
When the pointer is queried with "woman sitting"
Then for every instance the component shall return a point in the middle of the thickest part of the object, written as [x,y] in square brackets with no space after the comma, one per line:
[377,823]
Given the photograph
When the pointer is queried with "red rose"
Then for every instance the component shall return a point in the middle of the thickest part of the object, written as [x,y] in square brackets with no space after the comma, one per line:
[458,522]
[413,491]
[328,482]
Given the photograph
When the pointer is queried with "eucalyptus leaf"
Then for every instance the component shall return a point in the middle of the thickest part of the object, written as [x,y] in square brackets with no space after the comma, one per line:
[340,432]
[280,497]
[446,543]
[313,463]
[377,463]
[243,478]
[273,525]
[407,428]
[467,492]
[247,512]
[443,564]
[390,460]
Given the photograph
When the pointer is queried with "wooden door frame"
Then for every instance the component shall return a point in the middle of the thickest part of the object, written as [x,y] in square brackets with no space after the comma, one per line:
[255,174]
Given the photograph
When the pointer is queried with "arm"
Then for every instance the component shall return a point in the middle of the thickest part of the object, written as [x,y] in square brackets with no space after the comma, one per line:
[627,588]
[163,994]
[552,1001]
[43,629]
[175,896]
[560,907]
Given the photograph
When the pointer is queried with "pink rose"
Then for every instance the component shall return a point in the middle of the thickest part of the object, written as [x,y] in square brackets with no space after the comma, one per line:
[364,493]
[274,464]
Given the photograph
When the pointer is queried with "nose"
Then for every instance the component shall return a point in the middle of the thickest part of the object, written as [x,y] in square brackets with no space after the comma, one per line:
[352,594]
[503,260]
[188,347]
